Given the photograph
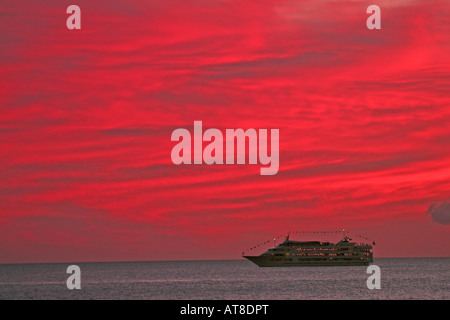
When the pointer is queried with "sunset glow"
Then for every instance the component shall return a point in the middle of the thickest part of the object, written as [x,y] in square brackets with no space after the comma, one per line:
[86,119]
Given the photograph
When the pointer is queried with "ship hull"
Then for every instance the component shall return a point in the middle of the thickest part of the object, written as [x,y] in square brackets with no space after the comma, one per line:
[267,262]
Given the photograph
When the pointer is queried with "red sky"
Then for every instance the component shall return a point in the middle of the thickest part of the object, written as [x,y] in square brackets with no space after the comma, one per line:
[86,118]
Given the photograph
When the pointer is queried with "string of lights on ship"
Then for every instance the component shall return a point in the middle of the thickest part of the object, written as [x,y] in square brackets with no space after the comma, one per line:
[309,232]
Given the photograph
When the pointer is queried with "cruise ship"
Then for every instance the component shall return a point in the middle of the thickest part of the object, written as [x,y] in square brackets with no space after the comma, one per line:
[291,253]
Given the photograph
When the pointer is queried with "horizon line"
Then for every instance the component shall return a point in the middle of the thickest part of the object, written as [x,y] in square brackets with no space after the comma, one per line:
[191,260]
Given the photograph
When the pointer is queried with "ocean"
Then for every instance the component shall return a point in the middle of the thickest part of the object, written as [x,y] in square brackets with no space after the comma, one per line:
[401,278]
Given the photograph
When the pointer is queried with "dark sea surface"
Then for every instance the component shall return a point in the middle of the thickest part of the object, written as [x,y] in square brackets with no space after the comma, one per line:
[401,278]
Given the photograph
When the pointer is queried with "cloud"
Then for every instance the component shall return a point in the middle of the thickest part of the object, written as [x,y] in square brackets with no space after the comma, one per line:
[86,119]
[440,213]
